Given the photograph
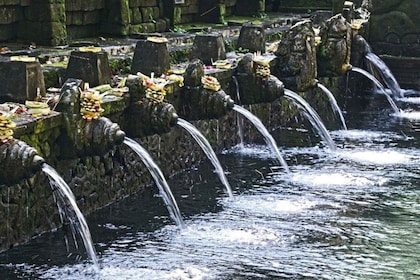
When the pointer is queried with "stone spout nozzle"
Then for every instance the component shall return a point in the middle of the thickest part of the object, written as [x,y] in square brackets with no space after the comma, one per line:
[37,163]
[229,102]
[173,119]
[119,137]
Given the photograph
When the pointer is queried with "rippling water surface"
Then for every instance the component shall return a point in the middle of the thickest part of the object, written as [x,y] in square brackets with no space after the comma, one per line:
[347,214]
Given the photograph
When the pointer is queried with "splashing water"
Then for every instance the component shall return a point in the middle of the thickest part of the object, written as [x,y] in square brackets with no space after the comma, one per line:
[386,74]
[334,104]
[264,132]
[77,219]
[159,179]
[312,116]
[379,85]
[208,150]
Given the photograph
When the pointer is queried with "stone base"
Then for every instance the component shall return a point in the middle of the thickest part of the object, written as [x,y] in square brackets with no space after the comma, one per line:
[20,80]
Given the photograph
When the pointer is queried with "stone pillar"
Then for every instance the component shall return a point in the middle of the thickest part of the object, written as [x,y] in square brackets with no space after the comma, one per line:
[20,80]
[91,67]
[252,37]
[151,56]
[208,47]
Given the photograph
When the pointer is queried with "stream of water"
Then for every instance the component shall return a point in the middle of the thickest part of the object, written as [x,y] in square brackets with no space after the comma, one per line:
[264,132]
[334,104]
[164,189]
[208,150]
[312,116]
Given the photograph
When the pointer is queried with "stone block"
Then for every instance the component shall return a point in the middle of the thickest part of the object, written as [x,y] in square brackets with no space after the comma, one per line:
[20,80]
[136,16]
[91,17]
[114,29]
[252,37]
[74,5]
[76,18]
[147,13]
[148,3]
[250,7]
[91,5]
[90,67]
[161,25]
[208,47]
[150,57]
[7,31]
[9,15]
[156,13]
[82,31]
[134,3]
[11,2]
[25,3]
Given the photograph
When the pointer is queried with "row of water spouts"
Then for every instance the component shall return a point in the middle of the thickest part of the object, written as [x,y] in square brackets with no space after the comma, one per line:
[67,203]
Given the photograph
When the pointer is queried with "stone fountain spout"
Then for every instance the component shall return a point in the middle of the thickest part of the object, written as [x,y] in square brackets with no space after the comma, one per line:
[255,82]
[296,55]
[334,49]
[85,134]
[202,96]
[18,161]
[148,112]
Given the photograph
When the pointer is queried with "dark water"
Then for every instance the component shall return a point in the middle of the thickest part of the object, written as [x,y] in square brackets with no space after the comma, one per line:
[347,214]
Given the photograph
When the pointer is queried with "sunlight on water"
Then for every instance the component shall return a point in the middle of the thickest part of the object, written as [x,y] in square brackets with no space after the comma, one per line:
[334,179]
[383,157]
[251,150]
[411,100]
[271,205]
[367,135]
[411,115]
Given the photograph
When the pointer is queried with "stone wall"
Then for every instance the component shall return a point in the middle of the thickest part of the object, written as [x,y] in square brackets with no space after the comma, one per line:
[395,27]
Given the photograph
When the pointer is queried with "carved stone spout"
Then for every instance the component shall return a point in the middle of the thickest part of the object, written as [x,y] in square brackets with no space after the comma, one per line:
[84,136]
[255,83]
[18,161]
[296,54]
[145,118]
[334,49]
[97,137]
[201,97]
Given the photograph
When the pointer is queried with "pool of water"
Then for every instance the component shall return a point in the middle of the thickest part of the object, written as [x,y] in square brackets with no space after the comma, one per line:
[348,214]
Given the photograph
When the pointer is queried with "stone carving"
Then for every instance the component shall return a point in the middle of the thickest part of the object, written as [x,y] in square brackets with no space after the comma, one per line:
[296,54]
[255,83]
[252,38]
[196,101]
[84,137]
[18,161]
[334,49]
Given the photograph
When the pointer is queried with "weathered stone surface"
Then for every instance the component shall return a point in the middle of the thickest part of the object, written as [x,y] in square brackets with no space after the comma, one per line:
[252,38]
[150,57]
[296,54]
[250,7]
[10,14]
[20,80]
[208,47]
[136,16]
[90,67]
[334,49]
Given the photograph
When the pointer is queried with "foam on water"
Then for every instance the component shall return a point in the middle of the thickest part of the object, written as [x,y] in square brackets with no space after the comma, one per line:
[368,135]
[380,157]
[411,115]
